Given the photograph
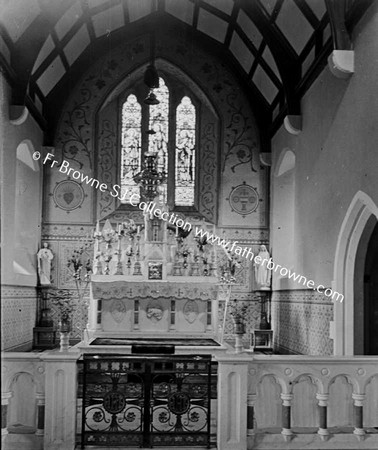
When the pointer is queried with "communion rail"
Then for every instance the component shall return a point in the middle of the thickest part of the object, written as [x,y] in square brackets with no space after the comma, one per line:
[264,402]
[297,402]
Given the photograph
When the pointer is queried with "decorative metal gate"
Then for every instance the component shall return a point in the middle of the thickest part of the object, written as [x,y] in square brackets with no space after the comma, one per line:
[147,401]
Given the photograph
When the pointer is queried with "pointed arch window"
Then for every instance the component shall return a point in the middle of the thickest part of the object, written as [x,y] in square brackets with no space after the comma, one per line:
[185,153]
[159,125]
[131,145]
[171,136]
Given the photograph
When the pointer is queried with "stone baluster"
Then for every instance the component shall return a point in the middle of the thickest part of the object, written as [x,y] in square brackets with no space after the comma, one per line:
[5,396]
[40,414]
[251,398]
[322,405]
[286,416]
[358,415]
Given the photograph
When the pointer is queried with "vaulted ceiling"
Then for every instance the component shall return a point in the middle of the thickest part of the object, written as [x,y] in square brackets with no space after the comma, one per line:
[277,47]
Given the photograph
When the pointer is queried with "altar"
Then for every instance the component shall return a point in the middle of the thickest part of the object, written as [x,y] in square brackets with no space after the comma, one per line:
[152,281]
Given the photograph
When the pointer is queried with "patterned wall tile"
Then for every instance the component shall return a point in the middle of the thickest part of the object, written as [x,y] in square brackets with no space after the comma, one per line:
[300,320]
[18,312]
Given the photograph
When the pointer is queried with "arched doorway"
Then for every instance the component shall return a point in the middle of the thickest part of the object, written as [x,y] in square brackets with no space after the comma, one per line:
[351,255]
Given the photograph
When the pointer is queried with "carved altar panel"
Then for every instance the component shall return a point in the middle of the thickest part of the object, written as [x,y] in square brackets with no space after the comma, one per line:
[154,315]
[117,316]
[191,316]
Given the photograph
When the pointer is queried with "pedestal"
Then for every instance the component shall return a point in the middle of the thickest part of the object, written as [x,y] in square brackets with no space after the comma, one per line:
[262,339]
[44,337]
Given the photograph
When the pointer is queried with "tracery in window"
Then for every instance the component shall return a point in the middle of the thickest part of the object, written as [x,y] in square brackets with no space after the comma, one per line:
[180,167]
[159,124]
[131,147]
[185,153]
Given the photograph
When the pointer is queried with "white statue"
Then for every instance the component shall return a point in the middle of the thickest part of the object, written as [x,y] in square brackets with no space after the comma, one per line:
[262,273]
[44,257]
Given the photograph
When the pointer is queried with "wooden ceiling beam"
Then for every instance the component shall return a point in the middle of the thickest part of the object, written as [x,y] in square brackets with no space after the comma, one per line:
[286,59]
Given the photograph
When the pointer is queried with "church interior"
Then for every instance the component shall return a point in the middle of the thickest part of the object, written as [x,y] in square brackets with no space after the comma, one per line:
[189,224]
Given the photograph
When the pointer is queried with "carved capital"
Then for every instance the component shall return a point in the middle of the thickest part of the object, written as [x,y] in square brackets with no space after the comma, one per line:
[286,399]
[322,399]
[293,124]
[358,399]
[341,63]
[251,398]
[266,159]
[18,114]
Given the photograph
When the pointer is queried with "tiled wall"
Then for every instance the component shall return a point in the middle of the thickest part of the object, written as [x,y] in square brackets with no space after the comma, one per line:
[18,311]
[300,320]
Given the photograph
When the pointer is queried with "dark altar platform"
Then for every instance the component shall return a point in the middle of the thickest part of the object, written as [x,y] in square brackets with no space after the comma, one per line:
[183,342]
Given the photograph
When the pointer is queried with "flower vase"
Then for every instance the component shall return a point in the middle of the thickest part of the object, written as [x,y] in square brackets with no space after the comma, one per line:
[239,330]
[239,327]
[64,330]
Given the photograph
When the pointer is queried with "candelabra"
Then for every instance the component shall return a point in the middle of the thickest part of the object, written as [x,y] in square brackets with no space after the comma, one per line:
[81,274]
[226,280]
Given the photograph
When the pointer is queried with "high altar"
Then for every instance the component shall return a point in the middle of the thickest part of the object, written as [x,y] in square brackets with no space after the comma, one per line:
[154,280]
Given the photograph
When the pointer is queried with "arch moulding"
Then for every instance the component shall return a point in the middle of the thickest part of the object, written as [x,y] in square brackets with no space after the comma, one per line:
[361,209]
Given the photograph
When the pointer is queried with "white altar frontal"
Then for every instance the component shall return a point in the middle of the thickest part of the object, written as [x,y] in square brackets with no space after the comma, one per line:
[152,282]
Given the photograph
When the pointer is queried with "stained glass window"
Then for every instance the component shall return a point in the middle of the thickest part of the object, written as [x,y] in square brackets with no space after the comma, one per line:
[131,147]
[185,153]
[159,124]
[180,168]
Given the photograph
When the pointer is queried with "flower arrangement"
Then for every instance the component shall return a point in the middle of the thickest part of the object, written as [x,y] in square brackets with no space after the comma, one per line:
[109,235]
[81,271]
[128,228]
[238,311]
[228,268]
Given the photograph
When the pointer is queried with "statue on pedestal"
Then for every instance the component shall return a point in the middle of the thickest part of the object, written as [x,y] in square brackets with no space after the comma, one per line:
[262,273]
[44,257]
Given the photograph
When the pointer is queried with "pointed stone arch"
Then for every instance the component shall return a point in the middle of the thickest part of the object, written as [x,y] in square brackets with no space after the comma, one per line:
[356,221]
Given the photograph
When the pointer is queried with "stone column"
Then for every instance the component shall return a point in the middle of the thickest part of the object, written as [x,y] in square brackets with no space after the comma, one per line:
[232,401]
[286,416]
[251,398]
[358,415]
[40,414]
[60,407]
[5,396]
[322,405]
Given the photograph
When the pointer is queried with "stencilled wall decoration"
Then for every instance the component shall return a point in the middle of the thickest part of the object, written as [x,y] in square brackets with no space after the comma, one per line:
[107,158]
[68,195]
[244,199]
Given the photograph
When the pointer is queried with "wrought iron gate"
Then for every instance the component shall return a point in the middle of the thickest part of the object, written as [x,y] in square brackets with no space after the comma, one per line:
[147,401]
